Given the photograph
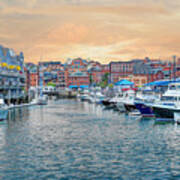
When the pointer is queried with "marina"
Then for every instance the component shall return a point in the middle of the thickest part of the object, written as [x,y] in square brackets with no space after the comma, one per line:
[89,90]
[70,139]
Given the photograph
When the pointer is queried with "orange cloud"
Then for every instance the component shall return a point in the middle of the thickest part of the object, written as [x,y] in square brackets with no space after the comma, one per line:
[110,31]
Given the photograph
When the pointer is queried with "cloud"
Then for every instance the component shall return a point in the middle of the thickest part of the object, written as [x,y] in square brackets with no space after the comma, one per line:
[102,29]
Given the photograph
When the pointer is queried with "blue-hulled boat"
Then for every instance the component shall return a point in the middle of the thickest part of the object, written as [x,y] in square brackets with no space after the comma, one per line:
[143,102]
[146,111]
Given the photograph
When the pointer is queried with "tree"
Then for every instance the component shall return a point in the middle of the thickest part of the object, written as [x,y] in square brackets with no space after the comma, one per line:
[104,81]
[111,86]
[51,84]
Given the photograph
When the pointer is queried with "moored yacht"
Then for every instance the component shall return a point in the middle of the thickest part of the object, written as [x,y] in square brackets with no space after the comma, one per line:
[143,101]
[127,100]
[169,103]
[84,95]
[99,97]
[42,100]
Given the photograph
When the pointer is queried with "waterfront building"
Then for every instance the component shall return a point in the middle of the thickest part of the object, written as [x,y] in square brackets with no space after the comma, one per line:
[61,77]
[78,79]
[76,73]
[12,75]
[50,71]
[119,70]
[178,68]
[97,71]
[77,64]
[33,74]
[27,83]
[143,71]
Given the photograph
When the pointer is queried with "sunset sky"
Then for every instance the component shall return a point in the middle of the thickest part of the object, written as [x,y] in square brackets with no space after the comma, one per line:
[102,30]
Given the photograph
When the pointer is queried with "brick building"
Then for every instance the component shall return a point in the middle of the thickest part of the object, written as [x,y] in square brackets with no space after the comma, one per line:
[76,73]
[120,69]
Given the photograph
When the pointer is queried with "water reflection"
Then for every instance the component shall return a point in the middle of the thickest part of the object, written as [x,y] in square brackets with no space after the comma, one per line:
[76,140]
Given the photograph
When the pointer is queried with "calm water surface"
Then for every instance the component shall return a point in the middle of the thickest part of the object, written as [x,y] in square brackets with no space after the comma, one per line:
[74,140]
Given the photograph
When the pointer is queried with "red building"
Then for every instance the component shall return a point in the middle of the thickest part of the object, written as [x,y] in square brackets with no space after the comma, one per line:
[76,73]
[120,69]
[178,68]
[97,71]
[33,79]
[78,79]
[77,64]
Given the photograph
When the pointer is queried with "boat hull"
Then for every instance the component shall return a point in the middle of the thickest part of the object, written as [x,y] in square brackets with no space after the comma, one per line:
[164,113]
[106,102]
[129,107]
[42,101]
[145,110]
[120,106]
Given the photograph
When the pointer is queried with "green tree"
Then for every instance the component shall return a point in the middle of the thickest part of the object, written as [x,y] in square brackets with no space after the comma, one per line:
[110,85]
[51,84]
[104,81]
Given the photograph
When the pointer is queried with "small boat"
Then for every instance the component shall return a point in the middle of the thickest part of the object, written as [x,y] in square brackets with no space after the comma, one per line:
[99,97]
[84,95]
[3,110]
[42,100]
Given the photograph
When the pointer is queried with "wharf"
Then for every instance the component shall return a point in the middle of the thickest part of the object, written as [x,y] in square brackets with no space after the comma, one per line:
[21,105]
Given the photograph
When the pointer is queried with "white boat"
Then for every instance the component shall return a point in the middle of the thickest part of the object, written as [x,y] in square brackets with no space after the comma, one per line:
[96,97]
[3,110]
[125,101]
[42,100]
[99,97]
[84,95]
[143,101]
[168,107]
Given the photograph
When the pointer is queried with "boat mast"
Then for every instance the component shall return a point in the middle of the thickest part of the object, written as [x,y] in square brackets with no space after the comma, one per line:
[40,78]
[174,68]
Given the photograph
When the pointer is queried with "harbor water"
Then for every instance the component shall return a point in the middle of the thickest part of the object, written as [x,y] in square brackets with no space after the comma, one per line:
[69,139]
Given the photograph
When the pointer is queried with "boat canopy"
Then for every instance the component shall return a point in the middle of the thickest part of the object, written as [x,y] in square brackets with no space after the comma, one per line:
[81,86]
[84,86]
[124,82]
[159,83]
[73,86]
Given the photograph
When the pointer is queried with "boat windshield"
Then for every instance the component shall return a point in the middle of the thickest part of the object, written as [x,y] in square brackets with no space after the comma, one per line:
[169,98]
[172,87]
[120,95]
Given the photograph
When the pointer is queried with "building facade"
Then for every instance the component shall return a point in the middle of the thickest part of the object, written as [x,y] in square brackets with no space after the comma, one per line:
[12,75]
[76,73]
[120,69]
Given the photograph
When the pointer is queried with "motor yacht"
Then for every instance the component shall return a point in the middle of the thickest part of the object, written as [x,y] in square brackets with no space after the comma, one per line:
[126,101]
[143,102]
[168,106]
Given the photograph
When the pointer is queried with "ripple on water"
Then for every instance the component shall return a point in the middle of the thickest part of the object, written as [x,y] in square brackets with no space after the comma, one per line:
[74,140]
